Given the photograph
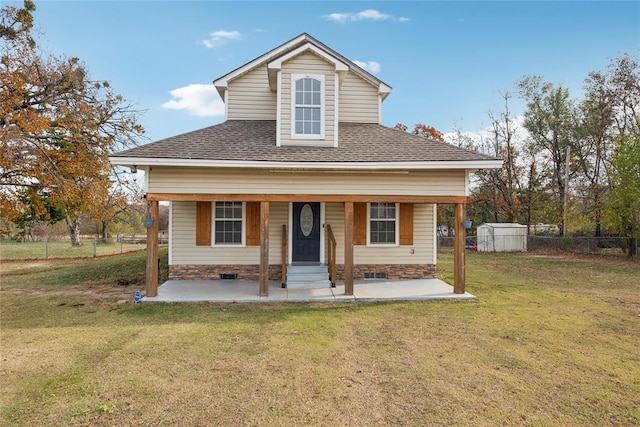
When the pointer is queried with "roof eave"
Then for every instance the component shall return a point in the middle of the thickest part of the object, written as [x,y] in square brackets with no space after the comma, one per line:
[243,164]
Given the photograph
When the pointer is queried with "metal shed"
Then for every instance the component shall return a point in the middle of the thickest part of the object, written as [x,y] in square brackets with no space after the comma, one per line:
[502,237]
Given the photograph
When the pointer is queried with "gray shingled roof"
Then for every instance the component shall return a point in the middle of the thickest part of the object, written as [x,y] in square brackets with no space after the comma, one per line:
[255,140]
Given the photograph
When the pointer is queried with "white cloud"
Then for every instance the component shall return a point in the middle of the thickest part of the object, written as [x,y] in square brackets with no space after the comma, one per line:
[197,99]
[220,37]
[338,17]
[370,66]
[368,14]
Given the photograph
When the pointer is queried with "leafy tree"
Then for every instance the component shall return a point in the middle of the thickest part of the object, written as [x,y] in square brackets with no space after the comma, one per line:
[422,130]
[39,209]
[624,203]
[624,86]
[118,201]
[57,126]
[550,120]
[17,23]
[517,191]
[592,145]
[607,116]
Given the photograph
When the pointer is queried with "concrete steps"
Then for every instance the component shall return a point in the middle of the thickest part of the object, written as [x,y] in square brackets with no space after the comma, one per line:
[308,276]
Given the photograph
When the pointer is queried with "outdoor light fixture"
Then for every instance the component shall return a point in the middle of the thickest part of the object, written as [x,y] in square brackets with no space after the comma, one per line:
[148,220]
[134,169]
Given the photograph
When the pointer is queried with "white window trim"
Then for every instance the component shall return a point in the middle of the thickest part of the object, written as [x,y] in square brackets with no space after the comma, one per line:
[294,78]
[279,110]
[170,232]
[243,230]
[397,221]
[336,104]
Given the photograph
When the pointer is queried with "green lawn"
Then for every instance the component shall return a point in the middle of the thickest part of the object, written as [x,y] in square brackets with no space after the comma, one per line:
[62,249]
[550,341]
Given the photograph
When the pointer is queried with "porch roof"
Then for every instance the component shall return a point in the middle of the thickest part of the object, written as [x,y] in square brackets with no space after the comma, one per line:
[254,142]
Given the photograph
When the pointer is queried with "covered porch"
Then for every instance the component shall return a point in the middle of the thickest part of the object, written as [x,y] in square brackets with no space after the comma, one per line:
[348,285]
[238,291]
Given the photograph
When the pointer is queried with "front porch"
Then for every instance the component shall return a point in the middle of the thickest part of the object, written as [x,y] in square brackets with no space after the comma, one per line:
[353,224]
[239,291]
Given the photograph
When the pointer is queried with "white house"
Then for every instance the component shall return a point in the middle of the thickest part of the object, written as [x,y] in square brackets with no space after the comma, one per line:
[301,177]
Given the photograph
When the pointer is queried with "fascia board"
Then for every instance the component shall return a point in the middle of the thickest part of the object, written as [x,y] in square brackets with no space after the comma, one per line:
[222,82]
[241,164]
[384,90]
[276,64]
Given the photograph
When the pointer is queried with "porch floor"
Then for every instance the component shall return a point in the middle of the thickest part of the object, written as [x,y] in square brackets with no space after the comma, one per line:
[239,291]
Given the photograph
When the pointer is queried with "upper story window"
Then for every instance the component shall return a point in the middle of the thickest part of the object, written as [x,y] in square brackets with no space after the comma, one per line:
[307,105]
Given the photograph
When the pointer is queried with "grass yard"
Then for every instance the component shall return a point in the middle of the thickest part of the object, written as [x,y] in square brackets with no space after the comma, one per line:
[552,340]
[62,249]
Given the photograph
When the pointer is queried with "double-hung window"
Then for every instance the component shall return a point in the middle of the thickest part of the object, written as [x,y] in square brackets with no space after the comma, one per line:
[308,105]
[383,224]
[228,223]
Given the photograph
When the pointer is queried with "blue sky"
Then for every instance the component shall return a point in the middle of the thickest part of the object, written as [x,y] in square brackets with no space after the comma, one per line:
[446,61]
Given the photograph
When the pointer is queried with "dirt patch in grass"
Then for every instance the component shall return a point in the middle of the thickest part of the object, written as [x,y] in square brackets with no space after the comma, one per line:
[112,279]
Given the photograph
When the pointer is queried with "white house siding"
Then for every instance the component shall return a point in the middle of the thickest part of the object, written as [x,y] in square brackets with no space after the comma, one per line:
[182,180]
[250,98]
[358,100]
[423,240]
[307,63]
[185,251]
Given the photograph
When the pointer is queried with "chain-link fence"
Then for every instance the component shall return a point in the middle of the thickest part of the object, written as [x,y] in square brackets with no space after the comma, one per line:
[618,246]
[587,245]
[62,248]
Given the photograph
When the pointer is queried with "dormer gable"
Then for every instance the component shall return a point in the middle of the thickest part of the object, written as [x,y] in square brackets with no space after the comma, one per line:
[222,83]
[303,85]
[276,65]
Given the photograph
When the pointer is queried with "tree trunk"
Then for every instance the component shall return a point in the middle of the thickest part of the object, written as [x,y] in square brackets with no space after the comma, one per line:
[73,227]
[105,231]
[598,219]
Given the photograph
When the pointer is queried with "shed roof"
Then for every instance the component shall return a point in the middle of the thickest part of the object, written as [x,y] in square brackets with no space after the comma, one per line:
[502,225]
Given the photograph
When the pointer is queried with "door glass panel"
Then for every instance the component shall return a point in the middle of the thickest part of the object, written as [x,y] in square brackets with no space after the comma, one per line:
[306,220]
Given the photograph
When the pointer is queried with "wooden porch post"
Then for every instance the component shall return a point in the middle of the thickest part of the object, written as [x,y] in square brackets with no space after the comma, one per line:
[151,285]
[264,249]
[458,250]
[348,248]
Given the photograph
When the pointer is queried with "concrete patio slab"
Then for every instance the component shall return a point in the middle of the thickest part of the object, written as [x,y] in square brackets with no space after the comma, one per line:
[239,291]
[404,290]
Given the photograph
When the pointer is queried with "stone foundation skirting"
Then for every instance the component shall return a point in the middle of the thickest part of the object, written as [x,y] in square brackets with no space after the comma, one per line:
[213,272]
[393,271]
[252,272]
